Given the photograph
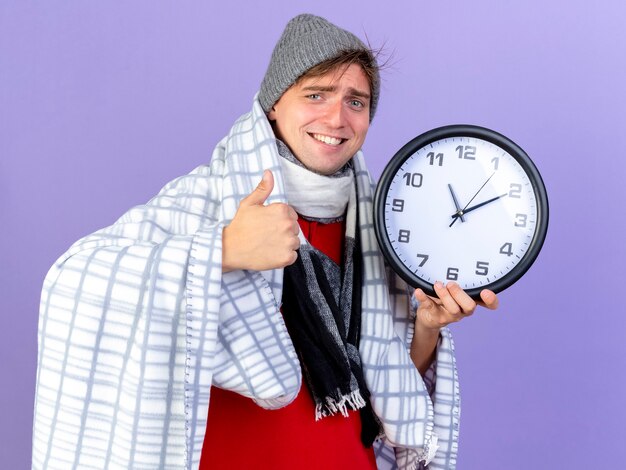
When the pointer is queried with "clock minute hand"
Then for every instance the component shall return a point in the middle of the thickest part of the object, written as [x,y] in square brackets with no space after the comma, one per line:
[462,211]
[470,209]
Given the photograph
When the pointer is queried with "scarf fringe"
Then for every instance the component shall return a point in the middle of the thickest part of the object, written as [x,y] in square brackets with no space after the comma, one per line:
[353,400]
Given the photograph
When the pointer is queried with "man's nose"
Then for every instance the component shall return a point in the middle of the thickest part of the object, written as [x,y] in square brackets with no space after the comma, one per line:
[335,115]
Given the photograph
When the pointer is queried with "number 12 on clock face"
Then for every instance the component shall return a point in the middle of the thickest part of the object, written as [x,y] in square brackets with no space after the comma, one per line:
[462,204]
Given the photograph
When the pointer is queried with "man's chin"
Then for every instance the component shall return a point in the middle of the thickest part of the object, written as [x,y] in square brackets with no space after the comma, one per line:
[326,170]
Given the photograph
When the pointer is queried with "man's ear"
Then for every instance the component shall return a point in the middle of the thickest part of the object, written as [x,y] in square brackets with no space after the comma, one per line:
[272,114]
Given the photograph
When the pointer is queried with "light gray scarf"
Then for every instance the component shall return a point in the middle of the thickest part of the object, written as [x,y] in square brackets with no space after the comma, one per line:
[314,196]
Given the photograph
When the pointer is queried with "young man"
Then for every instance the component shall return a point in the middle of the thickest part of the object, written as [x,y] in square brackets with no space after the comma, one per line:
[236,282]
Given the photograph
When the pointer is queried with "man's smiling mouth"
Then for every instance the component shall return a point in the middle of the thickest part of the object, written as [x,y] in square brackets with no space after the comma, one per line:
[327,139]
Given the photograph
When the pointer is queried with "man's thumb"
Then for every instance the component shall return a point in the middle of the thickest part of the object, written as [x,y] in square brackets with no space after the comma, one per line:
[262,191]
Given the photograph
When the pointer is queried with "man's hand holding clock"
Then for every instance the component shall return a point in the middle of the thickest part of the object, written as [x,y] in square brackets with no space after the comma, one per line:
[451,305]
[429,229]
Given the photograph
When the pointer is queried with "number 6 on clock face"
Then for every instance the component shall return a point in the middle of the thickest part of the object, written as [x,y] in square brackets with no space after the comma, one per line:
[461,203]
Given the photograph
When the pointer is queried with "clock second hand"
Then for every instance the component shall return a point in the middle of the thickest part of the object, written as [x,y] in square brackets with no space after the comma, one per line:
[462,211]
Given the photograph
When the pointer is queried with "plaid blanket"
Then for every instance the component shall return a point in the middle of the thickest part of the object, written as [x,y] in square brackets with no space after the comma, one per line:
[137,322]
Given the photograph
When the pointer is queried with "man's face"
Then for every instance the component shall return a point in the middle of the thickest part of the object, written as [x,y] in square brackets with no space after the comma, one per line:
[324,120]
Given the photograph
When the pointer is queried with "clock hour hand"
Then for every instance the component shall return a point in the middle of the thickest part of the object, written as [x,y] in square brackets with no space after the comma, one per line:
[456,204]
[470,209]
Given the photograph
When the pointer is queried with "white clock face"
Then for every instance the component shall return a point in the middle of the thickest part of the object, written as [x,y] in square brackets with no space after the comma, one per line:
[460,209]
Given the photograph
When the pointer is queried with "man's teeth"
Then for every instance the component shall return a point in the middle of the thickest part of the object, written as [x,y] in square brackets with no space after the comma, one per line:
[327,139]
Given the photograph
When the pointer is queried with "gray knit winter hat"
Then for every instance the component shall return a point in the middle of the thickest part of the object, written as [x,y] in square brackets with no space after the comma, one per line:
[308,40]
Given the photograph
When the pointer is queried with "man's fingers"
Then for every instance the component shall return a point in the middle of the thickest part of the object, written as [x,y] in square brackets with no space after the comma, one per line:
[447,300]
[452,304]
[294,257]
[261,192]
[293,215]
[489,299]
[423,299]
[295,243]
[464,301]
[454,299]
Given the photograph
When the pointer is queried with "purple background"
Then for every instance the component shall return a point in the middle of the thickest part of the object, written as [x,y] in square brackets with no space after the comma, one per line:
[101,103]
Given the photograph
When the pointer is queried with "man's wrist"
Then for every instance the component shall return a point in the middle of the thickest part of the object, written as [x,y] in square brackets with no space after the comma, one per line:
[424,346]
[227,262]
[426,330]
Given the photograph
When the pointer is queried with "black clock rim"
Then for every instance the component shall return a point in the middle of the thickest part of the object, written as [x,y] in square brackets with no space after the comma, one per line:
[462,130]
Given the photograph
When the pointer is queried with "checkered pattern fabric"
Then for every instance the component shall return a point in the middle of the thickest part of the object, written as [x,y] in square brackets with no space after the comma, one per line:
[137,322]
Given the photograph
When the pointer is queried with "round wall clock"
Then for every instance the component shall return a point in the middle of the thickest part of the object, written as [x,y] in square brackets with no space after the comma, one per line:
[461,203]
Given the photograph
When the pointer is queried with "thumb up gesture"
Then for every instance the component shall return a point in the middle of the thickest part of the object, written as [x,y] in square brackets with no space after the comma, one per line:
[260,237]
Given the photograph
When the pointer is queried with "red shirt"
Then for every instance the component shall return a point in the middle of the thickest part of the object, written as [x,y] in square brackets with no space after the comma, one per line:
[242,435]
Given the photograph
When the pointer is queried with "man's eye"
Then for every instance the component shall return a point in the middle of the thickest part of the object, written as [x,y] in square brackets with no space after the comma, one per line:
[356,103]
[314,96]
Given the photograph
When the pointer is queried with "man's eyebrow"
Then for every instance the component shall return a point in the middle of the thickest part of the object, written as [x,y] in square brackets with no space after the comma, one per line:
[319,88]
[359,93]
[332,88]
